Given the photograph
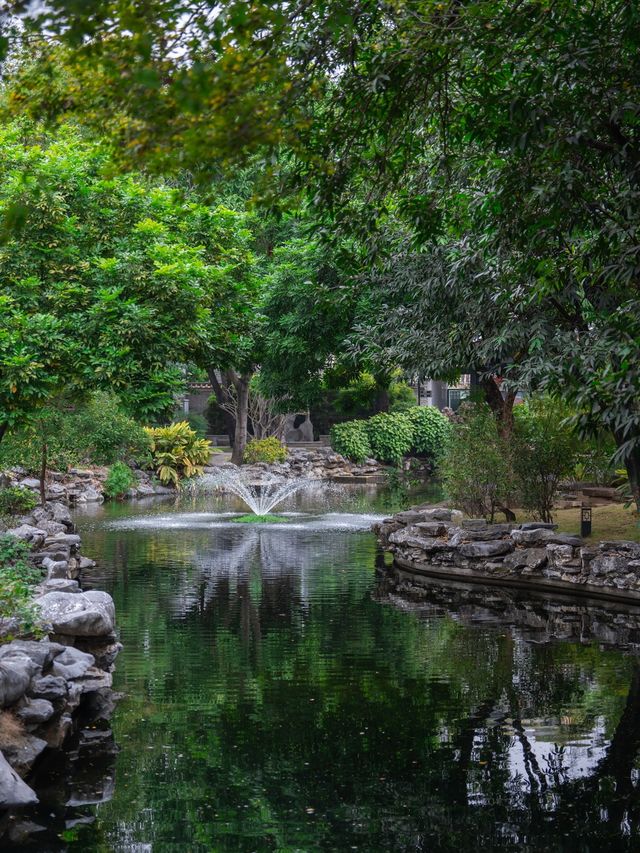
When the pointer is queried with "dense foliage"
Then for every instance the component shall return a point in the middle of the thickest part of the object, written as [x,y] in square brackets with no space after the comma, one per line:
[351,439]
[269,449]
[16,500]
[430,431]
[120,478]
[545,452]
[477,469]
[17,578]
[177,452]
[93,431]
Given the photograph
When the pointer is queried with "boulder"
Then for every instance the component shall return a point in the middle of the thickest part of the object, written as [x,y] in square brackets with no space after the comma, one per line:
[59,585]
[72,663]
[30,483]
[526,558]
[22,754]
[13,791]
[486,549]
[85,614]
[608,564]
[49,687]
[41,653]
[538,525]
[544,536]
[16,672]
[35,711]
[34,535]
[55,568]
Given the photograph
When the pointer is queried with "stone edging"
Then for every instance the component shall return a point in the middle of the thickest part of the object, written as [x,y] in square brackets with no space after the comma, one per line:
[438,541]
[45,683]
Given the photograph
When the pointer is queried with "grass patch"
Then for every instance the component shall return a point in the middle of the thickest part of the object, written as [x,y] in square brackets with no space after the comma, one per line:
[258,519]
[609,521]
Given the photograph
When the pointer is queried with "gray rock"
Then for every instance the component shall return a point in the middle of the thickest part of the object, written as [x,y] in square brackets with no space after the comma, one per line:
[530,558]
[95,679]
[538,525]
[85,563]
[16,672]
[561,557]
[49,687]
[433,528]
[544,536]
[85,614]
[59,512]
[13,791]
[30,534]
[22,754]
[90,495]
[72,540]
[35,711]
[59,585]
[608,564]
[41,653]
[486,549]
[30,483]
[72,663]
[55,568]
[474,523]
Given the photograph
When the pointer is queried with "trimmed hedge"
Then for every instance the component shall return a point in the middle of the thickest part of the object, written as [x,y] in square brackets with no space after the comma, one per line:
[431,430]
[388,437]
[351,440]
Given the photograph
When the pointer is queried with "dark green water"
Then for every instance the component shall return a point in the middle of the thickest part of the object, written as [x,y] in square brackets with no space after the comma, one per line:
[278,698]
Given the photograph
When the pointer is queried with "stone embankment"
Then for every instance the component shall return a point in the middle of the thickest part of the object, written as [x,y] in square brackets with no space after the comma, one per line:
[45,683]
[320,463]
[80,485]
[440,542]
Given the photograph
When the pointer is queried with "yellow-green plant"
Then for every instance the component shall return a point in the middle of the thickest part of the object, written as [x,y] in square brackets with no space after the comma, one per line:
[177,452]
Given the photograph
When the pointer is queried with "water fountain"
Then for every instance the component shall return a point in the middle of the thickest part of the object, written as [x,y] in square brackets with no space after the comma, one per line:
[260,497]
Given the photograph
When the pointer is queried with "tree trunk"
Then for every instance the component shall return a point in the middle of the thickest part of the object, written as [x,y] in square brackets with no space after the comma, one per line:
[222,397]
[241,384]
[383,381]
[632,464]
[502,407]
[43,473]
[3,429]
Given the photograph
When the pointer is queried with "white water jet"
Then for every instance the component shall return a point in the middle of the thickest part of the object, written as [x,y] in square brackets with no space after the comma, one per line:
[260,497]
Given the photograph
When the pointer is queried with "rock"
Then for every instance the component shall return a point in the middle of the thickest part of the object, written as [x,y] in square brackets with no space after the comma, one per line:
[30,483]
[13,791]
[55,568]
[544,536]
[85,614]
[59,512]
[16,672]
[538,525]
[35,711]
[530,558]
[90,495]
[71,540]
[22,754]
[474,523]
[59,585]
[86,563]
[34,535]
[41,653]
[95,679]
[608,564]
[433,528]
[72,663]
[49,687]
[486,549]
[562,557]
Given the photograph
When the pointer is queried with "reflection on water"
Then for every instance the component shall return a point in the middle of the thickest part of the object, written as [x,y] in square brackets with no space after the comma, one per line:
[282,696]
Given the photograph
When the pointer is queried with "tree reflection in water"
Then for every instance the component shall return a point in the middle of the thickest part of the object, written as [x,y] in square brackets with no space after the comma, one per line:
[281,697]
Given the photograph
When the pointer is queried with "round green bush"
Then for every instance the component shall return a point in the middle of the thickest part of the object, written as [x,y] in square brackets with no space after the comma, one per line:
[351,440]
[265,450]
[16,500]
[390,437]
[431,430]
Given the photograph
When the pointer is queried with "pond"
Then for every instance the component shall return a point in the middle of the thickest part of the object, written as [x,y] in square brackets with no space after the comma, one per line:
[281,694]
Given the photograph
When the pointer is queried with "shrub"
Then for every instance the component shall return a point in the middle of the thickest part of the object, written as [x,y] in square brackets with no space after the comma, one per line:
[431,431]
[17,579]
[177,452]
[476,467]
[119,480]
[545,451]
[265,450]
[16,501]
[390,437]
[95,432]
[351,440]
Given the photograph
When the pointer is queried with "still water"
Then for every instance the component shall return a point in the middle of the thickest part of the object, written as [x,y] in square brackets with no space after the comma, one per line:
[283,694]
